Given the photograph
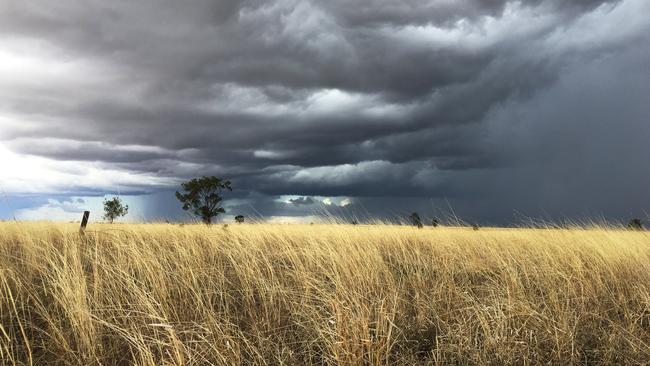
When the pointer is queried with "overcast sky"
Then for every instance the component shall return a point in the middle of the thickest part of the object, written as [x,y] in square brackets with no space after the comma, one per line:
[491,110]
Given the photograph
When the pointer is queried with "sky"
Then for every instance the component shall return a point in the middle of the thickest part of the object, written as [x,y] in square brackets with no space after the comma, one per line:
[492,111]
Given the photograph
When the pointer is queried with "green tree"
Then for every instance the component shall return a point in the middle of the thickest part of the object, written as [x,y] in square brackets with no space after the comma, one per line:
[203,197]
[114,208]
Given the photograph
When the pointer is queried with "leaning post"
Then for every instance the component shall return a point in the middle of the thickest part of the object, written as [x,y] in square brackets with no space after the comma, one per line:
[84,222]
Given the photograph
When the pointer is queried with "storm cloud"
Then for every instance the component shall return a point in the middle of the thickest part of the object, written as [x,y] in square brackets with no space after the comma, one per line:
[491,107]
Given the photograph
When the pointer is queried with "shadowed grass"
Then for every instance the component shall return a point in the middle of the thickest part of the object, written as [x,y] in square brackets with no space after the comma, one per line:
[322,294]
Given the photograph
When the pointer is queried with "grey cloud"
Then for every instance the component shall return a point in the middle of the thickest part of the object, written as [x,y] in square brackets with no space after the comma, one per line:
[88,150]
[370,13]
[302,201]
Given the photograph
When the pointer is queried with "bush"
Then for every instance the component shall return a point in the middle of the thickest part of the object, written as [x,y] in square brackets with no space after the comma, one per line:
[635,224]
[415,218]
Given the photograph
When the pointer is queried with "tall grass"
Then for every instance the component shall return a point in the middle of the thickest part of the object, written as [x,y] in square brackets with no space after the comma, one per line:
[322,294]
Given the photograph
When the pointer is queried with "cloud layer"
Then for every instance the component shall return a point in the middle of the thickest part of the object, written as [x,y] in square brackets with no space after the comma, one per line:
[535,106]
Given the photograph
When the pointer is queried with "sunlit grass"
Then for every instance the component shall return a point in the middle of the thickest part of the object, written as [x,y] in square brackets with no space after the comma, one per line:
[322,294]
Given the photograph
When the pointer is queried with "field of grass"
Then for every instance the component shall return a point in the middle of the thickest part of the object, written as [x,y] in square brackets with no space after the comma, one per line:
[322,294]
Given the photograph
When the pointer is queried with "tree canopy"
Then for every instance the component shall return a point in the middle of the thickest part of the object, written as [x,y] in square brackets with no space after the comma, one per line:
[202,197]
[114,208]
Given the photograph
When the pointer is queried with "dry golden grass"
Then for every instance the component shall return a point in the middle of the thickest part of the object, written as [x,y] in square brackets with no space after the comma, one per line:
[322,294]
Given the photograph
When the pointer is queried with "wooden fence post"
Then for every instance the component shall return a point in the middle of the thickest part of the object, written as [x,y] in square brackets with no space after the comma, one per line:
[84,222]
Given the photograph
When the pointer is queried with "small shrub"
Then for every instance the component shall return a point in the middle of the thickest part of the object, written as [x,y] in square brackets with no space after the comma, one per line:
[239,219]
[635,224]
[415,218]
[435,223]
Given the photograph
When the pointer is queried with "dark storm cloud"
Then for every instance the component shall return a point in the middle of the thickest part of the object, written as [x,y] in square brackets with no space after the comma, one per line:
[340,98]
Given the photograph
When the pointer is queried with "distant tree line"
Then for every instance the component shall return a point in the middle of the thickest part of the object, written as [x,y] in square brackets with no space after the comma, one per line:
[203,198]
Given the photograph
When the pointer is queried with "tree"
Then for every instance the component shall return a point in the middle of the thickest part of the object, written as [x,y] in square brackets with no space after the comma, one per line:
[203,197]
[635,224]
[415,218]
[239,219]
[435,222]
[114,208]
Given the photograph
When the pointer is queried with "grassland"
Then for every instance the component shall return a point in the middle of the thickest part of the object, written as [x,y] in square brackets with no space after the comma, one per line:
[322,294]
